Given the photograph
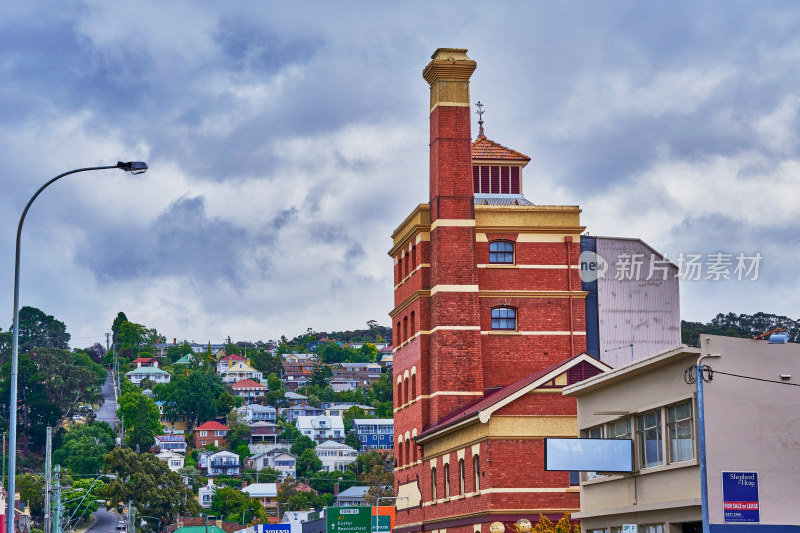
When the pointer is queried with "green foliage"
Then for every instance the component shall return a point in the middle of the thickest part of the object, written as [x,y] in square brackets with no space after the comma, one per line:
[274,382]
[733,325]
[353,413]
[81,501]
[115,327]
[140,417]
[83,447]
[243,451]
[178,351]
[321,375]
[301,444]
[290,431]
[233,503]
[37,410]
[331,352]
[366,462]
[227,401]
[146,480]
[352,440]
[267,363]
[308,463]
[292,499]
[38,329]
[31,491]
[193,396]
[324,481]
[133,338]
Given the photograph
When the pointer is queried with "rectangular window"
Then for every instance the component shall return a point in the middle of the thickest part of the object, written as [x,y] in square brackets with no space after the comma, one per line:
[648,433]
[204,433]
[515,189]
[651,528]
[485,180]
[447,480]
[504,180]
[495,180]
[476,182]
[619,429]
[593,433]
[679,428]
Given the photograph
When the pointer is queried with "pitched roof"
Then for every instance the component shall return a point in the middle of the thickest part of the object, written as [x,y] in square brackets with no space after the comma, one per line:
[484,407]
[213,426]
[146,370]
[260,490]
[248,384]
[238,366]
[483,148]
[144,359]
[232,357]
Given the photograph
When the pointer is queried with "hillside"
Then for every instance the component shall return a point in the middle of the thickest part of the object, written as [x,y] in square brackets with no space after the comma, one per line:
[743,325]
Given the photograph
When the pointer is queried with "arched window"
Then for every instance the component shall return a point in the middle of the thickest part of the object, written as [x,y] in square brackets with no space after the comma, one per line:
[399,269]
[433,483]
[476,465]
[504,318]
[399,334]
[408,452]
[414,387]
[413,452]
[447,480]
[413,323]
[461,477]
[501,252]
[407,266]
[407,398]
[414,257]
[399,394]
[405,328]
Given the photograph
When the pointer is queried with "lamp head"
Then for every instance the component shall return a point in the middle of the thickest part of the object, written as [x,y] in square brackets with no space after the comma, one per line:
[134,167]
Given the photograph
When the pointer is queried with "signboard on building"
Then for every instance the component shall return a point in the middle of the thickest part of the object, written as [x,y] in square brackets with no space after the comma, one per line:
[349,519]
[271,528]
[589,455]
[629,528]
[740,497]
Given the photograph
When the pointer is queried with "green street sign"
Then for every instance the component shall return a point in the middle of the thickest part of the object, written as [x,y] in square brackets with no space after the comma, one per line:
[384,526]
[349,519]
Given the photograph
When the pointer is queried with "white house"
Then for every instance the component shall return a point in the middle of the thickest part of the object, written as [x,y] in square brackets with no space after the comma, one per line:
[257,413]
[137,375]
[278,459]
[335,456]
[174,460]
[224,464]
[205,493]
[321,428]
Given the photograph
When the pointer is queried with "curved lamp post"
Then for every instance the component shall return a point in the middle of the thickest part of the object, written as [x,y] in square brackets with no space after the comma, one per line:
[152,518]
[134,167]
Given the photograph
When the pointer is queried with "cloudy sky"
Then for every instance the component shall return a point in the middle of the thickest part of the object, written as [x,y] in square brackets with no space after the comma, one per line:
[287,140]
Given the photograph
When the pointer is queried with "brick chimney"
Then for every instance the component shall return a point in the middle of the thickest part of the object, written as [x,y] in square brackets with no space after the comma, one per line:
[454,314]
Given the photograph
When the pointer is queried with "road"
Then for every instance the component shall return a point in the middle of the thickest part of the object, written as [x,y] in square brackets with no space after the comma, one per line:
[106,521]
[108,411]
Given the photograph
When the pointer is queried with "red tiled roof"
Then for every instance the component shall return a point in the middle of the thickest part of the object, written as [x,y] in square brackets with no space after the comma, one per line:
[483,148]
[144,360]
[214,426]
[248,384]
[232,357]
[479,405]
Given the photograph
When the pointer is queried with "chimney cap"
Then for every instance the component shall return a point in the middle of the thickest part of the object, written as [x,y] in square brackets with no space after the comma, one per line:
[451,54]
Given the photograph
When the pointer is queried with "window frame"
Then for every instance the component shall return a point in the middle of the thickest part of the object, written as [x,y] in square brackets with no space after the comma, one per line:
[641,430]
[476,465]
[687,422]
[506,254]
[434,488]
[447,480]
[502,326]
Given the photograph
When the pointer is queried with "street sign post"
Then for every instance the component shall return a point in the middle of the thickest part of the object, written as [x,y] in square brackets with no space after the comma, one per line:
[349,519]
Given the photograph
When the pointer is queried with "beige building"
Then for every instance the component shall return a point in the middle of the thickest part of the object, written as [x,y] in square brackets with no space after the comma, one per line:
[752,425]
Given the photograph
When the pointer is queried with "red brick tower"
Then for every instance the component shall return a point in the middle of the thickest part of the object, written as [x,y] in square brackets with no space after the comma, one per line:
[488,325]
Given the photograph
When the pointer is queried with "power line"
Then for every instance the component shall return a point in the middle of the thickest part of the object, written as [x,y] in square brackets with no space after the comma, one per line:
[712,372]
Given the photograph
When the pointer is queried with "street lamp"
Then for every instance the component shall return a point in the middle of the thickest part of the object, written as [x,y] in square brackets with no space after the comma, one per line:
[134,167]
[378,508]
[154,518]
[701,442]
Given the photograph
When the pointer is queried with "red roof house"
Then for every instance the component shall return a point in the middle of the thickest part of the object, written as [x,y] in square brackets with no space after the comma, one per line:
[211,433]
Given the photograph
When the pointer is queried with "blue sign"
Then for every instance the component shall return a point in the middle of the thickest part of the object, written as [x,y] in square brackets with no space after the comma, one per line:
[740,497]
[272,528]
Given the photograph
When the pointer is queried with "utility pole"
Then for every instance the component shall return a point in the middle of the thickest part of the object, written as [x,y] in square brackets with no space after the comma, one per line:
[48,478]
[108,336]
[56,518]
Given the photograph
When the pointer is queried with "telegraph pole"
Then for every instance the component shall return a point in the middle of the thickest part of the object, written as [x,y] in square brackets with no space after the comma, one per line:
[47,478]
[56,518]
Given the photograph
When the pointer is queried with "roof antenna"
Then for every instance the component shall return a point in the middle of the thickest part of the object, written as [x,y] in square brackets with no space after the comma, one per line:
[480,113]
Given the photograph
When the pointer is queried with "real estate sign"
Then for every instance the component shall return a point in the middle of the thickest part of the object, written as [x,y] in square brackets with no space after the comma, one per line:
[740,497]
[349,519]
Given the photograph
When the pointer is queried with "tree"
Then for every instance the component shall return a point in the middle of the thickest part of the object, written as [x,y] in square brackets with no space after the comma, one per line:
[321,374]
[36,328]
[324,481]
[133,337]
[352,440]
[31,491]
[227,401]
[115,327]
[292,499]
[266,363]
[546,526]
[239,435]
[68,378]
[301,444]
[96,351]
[140,416]
[178,351]
[83,447]
[193,396]
[231,503]
[84,503]
[274,382]
[146,480]
[353,413]
[308,463]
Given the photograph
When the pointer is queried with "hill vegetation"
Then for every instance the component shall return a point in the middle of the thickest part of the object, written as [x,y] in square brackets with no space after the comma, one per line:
[733,325]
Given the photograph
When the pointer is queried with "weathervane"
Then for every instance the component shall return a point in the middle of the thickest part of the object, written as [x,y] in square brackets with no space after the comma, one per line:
[480,113]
